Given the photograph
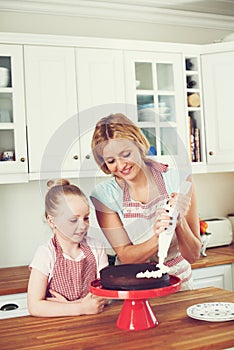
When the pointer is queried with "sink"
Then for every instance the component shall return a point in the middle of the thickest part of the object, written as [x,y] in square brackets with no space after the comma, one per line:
[13,305]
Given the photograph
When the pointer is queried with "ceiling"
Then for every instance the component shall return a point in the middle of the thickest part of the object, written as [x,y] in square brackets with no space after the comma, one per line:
[208,13]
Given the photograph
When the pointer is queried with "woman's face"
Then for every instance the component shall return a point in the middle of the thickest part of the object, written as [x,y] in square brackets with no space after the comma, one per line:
[72,219]
[123,158]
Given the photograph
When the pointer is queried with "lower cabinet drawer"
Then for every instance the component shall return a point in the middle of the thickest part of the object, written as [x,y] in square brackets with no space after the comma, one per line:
[214,276]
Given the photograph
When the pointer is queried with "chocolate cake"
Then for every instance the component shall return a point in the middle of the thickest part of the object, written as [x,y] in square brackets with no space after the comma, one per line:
[124,277]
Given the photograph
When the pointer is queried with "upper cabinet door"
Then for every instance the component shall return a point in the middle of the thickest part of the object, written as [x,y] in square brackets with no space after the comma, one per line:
[155,86]
[51,100]
[101,91]
[13,149]
[218,77]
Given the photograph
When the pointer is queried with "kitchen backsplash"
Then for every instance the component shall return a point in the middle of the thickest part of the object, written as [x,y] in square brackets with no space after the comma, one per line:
[215,193]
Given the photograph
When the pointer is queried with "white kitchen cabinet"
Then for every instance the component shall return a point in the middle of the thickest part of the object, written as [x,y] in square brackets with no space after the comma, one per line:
[101,91]
[155,86]
[218,77]
[219,276]
[51,102]
[13,149]
[69,85]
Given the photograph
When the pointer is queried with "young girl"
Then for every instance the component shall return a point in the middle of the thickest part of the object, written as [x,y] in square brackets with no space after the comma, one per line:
[128,204]
[62,269]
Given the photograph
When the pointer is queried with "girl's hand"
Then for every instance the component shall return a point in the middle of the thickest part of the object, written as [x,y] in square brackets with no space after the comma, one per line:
[93,304]
[56,297]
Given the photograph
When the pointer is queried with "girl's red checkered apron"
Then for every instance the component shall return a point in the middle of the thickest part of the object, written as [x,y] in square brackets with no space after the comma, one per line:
[72,278]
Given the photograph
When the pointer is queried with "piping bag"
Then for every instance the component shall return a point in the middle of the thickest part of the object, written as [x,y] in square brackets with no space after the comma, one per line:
[166,237]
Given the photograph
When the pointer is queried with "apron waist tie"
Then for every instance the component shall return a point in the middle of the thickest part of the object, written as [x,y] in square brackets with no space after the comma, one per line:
[174,261]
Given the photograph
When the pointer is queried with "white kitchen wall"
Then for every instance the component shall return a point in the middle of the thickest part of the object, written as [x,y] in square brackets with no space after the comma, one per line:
[215,194]
[22,223]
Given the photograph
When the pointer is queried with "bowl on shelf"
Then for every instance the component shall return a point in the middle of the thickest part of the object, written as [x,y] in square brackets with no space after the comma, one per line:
[146,115]
[4,77]
[164,117]
[146,112]
[163,110]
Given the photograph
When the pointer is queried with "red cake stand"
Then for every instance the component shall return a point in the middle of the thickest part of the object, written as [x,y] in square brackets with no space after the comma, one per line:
[136,313]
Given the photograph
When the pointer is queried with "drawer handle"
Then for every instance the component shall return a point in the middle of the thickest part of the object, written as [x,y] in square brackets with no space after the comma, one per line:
[75,157]
[211,153]
[87,156]
[22,159]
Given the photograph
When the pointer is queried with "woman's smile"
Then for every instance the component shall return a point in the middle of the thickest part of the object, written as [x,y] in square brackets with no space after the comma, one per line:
[126,170]
[122,157]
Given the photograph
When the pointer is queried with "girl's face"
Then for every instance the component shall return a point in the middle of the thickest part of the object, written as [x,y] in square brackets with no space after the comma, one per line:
[123,158]
[72,219]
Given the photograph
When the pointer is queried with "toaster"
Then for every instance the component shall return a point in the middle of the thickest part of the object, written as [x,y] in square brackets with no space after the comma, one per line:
[221,231]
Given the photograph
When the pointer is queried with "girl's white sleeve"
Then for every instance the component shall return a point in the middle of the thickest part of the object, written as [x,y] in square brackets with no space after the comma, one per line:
[43,260]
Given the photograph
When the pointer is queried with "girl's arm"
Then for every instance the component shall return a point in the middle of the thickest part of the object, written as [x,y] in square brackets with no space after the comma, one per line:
[113,229]
[38,305]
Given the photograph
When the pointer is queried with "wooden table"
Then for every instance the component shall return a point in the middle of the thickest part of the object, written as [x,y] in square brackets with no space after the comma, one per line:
[175,331]
[15,279]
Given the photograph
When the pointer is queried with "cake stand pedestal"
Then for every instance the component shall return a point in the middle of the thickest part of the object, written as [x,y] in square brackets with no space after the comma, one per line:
[136,313]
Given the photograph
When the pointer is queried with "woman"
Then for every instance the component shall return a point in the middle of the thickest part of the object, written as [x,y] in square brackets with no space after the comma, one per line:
[129,205]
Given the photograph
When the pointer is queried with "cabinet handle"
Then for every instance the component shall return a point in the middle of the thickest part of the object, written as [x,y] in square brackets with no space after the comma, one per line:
[87,156]
[75,157]
[22,159]
[211,153]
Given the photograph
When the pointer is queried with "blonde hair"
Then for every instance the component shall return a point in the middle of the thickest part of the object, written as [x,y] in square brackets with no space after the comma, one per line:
[57,189]
[112,127]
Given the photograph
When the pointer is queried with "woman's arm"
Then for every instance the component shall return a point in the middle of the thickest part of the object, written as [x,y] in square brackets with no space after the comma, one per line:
[38,305]
[188,232]
[113,229]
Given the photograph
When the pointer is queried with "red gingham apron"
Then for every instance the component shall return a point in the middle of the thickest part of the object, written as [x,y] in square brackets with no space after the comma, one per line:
[139,219]
[72,278]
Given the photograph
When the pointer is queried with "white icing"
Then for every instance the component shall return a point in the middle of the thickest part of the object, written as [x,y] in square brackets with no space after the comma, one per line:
[154,274]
